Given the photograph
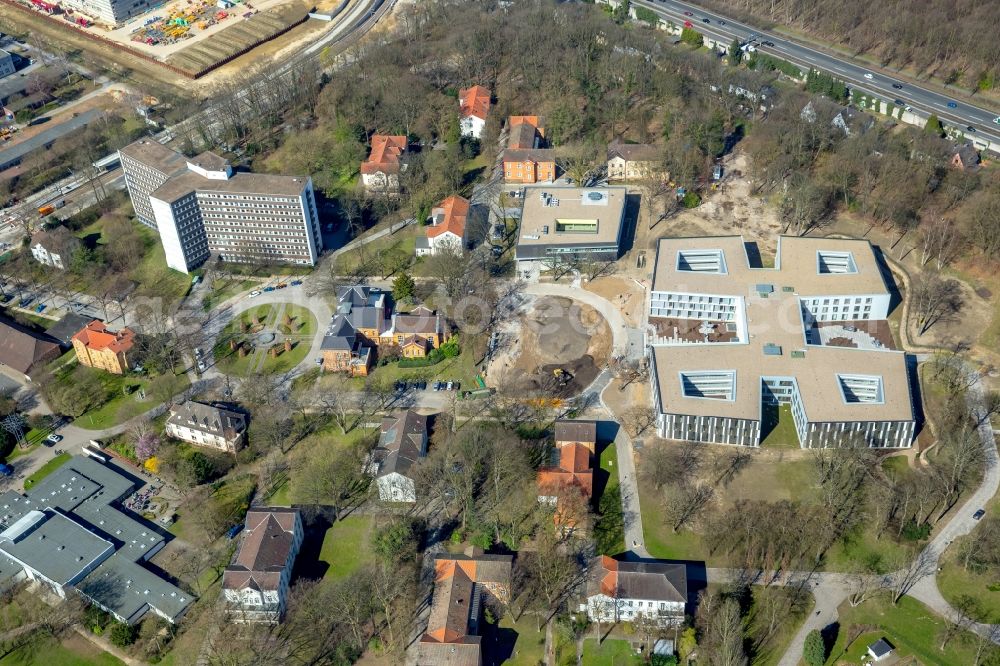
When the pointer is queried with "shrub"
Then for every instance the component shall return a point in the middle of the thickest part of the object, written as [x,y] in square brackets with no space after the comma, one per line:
[914,532]
[692,37]
[122,635]
[691,200]
[647,15]
[814,652]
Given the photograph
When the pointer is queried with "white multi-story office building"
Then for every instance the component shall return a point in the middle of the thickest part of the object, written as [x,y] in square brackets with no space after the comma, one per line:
[203,208]
[111,12]
[731,341]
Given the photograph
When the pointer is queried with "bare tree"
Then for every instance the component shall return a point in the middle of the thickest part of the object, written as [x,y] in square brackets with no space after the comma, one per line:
[934,299]
[961,617]
[941,241]
[903,580]
[685,500]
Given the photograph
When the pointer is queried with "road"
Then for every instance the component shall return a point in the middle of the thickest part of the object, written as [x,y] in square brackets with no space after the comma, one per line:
[724,29]
[356,21]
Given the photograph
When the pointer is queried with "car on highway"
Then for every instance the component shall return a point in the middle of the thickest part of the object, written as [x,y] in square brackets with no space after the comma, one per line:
[997,120]
[705,20]
[767,43]
[54,438]
[868,75]
[722,23]
[979,514]
[897,86]
[970,128]
[688,14]
[952,105]
[899,102]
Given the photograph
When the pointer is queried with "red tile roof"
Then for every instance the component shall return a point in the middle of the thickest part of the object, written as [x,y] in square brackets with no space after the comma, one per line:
[574,470]
[455,210]
[96,336]
[474,101]
[385,154]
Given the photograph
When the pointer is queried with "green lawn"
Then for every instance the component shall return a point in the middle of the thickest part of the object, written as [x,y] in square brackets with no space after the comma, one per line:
[371,259]
[897,467]
[285,361]
[529,645]
[461,368]
[954,581]
[46,469]
[152,276]
[609,530]
[346,546]
[125,406]
[612,652]
[782,433]
[912,627]
[863,547]
[303,321]
[47,651]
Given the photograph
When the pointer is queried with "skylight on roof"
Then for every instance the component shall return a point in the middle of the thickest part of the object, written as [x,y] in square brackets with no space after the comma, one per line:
[835,263]
[701,261]
[712,384]
[861,389]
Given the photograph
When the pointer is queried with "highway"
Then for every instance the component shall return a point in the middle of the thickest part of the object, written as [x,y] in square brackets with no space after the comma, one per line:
[923,101]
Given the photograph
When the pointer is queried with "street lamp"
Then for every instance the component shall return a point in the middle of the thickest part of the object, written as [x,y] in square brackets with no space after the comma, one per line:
[14,424]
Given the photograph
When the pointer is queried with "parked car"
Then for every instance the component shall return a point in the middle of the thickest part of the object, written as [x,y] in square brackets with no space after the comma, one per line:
[268,289]
[197,352]
[450,385]
[296,283]
[458,385]
[6,470]
[868,75]
[234,530]
[979,514]
[254,293]
[281,285]
[26,301]
[438,386]
[201,366]
[422,385]
[41,306]
[319,361]
[952,105]
[54,438]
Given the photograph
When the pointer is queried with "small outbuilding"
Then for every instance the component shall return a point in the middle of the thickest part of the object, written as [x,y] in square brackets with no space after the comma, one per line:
[880,649]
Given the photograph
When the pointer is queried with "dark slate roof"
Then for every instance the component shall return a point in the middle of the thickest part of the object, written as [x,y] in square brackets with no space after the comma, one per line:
[576,431]
[341,335]
[64,329]
[402,439]
[880,648]
[656,581]
[267,542]
[634,152]
[44,139]
[208,418]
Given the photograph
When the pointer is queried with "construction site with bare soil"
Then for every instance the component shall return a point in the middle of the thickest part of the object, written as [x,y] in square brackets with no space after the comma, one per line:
[554,347]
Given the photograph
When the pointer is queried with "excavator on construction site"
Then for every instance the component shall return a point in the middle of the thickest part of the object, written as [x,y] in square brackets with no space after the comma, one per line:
[562,376]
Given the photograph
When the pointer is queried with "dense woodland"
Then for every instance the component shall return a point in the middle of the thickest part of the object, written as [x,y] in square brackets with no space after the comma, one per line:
[953,40]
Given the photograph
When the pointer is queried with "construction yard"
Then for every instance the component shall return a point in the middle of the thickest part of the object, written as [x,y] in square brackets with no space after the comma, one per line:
[555,346]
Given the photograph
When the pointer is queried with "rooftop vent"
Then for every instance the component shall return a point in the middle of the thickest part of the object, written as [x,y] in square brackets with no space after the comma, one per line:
[798,353]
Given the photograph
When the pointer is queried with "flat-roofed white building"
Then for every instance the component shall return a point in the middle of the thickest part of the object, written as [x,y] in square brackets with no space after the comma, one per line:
[730,340]
[565,224]
[202,207]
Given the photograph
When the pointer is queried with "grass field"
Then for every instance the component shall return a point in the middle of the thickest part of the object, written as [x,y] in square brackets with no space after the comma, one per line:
[912,627]
[225,288]
[779,427]
[47,651]
[520,639]
[346,546]
[610,527]
[611,652]
[125,406]
[46,469]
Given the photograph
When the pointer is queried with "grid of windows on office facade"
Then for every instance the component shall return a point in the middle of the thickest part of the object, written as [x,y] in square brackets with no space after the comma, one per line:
[838,308]
[693,306]
[190,232]
[873,434]
[710,429]
[142,181]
